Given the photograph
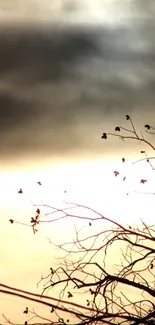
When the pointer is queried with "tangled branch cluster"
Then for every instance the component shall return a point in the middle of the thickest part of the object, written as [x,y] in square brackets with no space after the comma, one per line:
[107,275]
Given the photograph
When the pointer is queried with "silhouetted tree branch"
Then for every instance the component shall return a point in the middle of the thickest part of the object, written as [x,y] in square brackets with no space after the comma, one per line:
[107,291]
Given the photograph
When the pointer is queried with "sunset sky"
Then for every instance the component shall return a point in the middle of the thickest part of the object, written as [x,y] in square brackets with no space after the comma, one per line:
[69,70]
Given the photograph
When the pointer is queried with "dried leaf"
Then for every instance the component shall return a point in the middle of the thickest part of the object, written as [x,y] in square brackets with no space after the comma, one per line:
[147,126]
[52,271]
[104,136]
[116,173]
[91,291]
[142,181]
[88,302]
[25,311]
[20,191]
[117,128]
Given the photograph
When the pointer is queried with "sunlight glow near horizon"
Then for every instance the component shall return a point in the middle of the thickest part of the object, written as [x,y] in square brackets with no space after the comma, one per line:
[91,184]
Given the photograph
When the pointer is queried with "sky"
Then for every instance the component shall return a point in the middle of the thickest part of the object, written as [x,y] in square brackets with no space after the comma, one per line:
[69,70]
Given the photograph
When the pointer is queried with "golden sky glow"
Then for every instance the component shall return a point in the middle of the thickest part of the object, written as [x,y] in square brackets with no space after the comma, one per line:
[92,184]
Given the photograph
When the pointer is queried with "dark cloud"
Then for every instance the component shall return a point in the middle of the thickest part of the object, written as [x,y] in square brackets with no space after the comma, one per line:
[14,111]
[41,56]
[58,87]
[47,55]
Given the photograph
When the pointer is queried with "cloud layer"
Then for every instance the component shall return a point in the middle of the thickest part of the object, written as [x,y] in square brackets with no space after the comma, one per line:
[58,87]
[72,11]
